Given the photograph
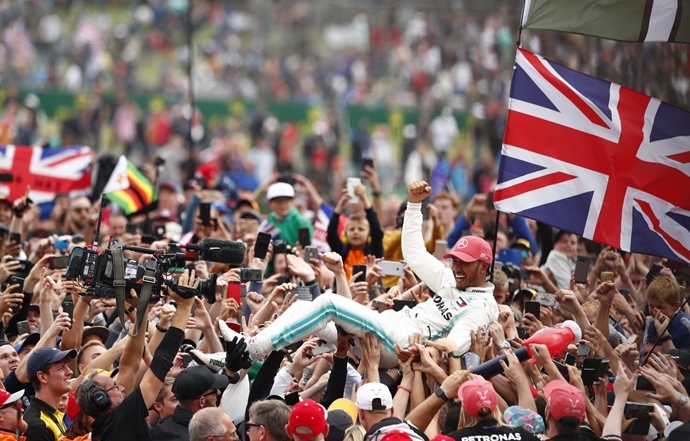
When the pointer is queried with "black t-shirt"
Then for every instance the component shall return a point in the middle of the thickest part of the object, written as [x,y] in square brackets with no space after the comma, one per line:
[492,432]
[127,422]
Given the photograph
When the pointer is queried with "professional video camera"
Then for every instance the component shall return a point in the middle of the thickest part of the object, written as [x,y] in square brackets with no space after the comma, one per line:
[109,275]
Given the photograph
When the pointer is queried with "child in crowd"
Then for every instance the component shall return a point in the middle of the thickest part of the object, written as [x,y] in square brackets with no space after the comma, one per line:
[363,234]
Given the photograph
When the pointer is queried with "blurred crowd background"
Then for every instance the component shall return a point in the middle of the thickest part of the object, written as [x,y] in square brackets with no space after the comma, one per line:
[305,86]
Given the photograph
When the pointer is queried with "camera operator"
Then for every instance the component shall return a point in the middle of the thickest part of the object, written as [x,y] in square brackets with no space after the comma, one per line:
[120,418]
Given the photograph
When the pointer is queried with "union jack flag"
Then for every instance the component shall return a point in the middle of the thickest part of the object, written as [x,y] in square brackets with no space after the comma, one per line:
[46,171]
[597,159]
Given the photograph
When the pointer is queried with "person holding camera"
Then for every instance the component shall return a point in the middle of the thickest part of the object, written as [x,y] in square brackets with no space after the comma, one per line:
[120,417]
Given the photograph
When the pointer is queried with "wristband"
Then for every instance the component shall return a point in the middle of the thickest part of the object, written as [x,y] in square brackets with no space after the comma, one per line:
[376,193]
[161,329]
[310,283]
[442,395]
[130,310]
[409,391]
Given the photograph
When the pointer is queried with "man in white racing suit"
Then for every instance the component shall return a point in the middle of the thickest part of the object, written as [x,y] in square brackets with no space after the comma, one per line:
[463,299]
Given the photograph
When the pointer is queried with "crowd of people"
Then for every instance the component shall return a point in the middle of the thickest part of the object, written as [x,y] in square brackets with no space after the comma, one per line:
[364,324]
[363,309]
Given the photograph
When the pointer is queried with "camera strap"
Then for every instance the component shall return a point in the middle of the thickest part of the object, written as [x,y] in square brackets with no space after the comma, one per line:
[120,294]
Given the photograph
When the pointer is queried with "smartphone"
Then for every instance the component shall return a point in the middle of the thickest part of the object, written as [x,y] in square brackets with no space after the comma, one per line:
[400,304]
[205,213]
[23,327]
[546,299]
[563,370]
[24,266]
[440,248]
[311,252]
[569,359]
[625,293]
[603,370]
[470,360]
[61,244]
[14,280]
[391,268]
[582,349]
[591,363]
[640,411]
[653,272]
[15,238]
[581,269]
[235,291]
[360,269]
[522,332]
[132,229]
[353,183]
[643,384]
[303,293]
[490,201]
[589,376]
[304,237]
[68,307]
[367,163]
[378,305]
[322,348]
[534,308]
[58,262]
[261,245]
[612,321]
[606,276]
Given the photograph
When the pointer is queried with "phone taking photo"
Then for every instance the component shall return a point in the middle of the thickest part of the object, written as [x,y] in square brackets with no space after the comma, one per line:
[360,269]
[533,308]
[581,269]
[263,240]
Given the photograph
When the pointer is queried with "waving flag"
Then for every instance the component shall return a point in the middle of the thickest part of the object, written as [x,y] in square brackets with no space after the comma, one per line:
[597,159]
[624,20]
[46,171]
[139,196]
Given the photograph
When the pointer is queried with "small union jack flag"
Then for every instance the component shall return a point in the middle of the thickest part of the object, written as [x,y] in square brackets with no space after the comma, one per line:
[46,171]
[597,159]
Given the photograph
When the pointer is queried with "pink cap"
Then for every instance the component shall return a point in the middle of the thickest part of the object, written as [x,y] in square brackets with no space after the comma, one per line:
[477,395]
[564,400]
[470,249]
[308,419]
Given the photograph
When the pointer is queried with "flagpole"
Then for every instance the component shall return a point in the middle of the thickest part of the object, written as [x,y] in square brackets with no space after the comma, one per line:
[190,86]
[493,249]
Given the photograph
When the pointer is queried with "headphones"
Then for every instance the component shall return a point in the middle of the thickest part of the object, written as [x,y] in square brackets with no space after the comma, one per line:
[97,396]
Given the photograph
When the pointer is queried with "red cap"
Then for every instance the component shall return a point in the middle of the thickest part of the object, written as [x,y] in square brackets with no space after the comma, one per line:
[470,249]
[477,395]
[397,435]
[8,398]
[72,407]
[440,437]
[308,420]
[207,171]
[564,400]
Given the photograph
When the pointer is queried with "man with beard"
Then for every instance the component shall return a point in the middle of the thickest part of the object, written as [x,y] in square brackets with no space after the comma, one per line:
[79,218]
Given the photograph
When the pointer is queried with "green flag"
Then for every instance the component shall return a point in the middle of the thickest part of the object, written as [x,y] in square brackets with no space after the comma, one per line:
[623,20]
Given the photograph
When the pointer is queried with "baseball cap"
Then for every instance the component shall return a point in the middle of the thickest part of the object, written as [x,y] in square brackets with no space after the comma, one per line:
[30,340]
[7,398]
[397,435]
[523,243]
[470,249]
[374,396]
[194,381]
[40,358]
[6,199]
[477,395]
[247,203]
[251,215]
[338,422]
[101,332]
[529,420]
[345,405]
[280,190]
[564,400]
[169,185]
[308,419]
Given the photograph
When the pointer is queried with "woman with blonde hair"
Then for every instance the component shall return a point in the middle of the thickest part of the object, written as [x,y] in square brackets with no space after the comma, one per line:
[480,415]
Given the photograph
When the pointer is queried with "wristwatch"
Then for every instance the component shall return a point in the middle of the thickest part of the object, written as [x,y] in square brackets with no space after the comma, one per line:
[504,345]
[682,401]
[455,354]
[442,395]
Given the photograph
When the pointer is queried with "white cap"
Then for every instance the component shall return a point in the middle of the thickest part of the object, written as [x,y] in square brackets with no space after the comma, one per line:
[280,190]
[374,396]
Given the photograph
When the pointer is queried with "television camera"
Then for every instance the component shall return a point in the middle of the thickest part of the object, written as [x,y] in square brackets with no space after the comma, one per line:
[108,274]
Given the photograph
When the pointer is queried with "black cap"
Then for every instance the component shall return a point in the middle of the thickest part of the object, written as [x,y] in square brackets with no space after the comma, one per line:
[338,421]
[194,381]
[30,340]
[681,357]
